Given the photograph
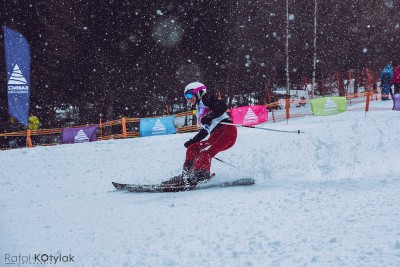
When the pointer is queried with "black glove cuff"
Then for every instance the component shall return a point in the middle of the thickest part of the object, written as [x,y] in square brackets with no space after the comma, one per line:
[188,143]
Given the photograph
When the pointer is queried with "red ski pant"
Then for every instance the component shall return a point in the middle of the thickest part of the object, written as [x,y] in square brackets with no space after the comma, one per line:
[199,155]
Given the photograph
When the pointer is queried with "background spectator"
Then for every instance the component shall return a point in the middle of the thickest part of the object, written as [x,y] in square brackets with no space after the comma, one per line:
[386,82]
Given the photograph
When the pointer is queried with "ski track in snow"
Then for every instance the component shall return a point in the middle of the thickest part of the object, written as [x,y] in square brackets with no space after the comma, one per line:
[328,197]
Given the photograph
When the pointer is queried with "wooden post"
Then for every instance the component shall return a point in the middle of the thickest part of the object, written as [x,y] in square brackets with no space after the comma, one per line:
[101,129]
[338,83]
[28,138]
[349,81]
[123,122]
[368,78]
[269,102]
[287,100]
[367,103]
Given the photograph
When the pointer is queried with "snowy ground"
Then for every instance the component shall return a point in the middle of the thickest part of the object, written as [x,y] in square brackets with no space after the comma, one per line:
[328,197]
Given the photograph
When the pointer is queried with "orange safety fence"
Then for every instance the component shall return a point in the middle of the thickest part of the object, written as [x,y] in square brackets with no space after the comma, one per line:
[129,127]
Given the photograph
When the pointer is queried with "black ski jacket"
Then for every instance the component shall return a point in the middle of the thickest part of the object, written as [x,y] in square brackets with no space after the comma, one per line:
[217,108]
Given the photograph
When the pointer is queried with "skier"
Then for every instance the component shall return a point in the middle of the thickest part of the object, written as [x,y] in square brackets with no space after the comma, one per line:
[386,82]
[210,113]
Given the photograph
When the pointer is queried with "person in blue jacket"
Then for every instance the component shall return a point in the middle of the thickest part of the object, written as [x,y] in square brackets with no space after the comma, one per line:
[386,82]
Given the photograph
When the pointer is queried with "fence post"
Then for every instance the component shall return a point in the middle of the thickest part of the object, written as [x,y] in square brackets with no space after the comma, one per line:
[367,103]
[338,83]
[28,138]
[349,81]
[287,100]
[101,129]
[167,109]
[123,122]
[368,80]
[269,100]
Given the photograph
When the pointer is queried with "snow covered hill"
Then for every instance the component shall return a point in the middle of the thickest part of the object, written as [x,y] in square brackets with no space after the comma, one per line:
[327,197]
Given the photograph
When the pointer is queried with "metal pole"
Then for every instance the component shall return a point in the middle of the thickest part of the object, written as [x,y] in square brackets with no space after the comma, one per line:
[260,128]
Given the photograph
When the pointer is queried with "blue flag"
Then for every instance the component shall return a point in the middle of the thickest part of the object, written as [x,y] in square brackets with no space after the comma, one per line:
[157,126]
[18,74]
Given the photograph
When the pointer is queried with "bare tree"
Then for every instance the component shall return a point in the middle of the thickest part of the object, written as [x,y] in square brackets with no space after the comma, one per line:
[287,49]
[315,49]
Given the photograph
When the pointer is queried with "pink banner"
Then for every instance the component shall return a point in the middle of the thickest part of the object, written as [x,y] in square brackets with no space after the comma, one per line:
[249,115]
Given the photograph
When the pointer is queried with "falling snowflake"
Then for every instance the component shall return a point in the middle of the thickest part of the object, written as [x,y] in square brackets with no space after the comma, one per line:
[168,32]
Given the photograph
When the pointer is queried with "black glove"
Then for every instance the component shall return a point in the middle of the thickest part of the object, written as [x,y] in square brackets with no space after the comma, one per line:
[188,143]
[206,120]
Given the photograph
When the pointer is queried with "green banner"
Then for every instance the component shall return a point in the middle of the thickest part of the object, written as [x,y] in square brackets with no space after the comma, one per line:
[328,105]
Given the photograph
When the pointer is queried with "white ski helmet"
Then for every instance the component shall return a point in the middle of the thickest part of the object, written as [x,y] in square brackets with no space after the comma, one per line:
[196,88]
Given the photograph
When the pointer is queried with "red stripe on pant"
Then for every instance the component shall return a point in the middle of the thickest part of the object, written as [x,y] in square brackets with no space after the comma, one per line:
[199,155]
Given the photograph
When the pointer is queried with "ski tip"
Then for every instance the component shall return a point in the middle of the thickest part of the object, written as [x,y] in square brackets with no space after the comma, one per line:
[117,185]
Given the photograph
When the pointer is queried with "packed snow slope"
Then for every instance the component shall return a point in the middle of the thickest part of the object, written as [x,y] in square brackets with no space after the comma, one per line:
[327,197]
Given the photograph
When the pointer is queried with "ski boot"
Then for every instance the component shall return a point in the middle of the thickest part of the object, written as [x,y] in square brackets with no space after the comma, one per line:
[197,176]
[176,180]
[189,178]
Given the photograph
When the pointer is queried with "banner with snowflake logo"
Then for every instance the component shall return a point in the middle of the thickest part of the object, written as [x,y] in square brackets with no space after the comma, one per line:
[157,126]
[18,74]
[249,115]
[328,105]
[79,135]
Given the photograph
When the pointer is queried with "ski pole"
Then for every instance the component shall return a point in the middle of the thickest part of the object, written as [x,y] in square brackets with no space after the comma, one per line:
[260,128]
[233,166]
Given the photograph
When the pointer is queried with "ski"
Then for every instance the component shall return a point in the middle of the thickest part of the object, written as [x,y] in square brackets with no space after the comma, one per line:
[159,188]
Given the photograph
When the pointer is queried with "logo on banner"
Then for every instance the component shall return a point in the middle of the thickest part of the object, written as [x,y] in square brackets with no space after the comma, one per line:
[159,128]
[17,83]
[330,106]
[250,117]
[81,137]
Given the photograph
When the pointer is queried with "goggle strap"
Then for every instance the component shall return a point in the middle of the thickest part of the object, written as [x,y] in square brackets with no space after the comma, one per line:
[195,90]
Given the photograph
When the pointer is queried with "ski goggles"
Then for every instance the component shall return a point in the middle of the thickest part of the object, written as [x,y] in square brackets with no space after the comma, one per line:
[189,94]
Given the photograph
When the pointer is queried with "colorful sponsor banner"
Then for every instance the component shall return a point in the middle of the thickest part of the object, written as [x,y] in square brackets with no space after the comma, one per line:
[249,115]
[17,53]
[79,135]
[396,99]
[157,126]
[328,105]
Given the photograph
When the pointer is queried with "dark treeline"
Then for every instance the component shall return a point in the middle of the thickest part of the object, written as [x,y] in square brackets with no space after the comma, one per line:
[131,58]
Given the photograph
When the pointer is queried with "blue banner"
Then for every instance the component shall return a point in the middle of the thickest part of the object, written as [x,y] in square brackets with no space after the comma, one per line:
[157,126]
[18,74]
